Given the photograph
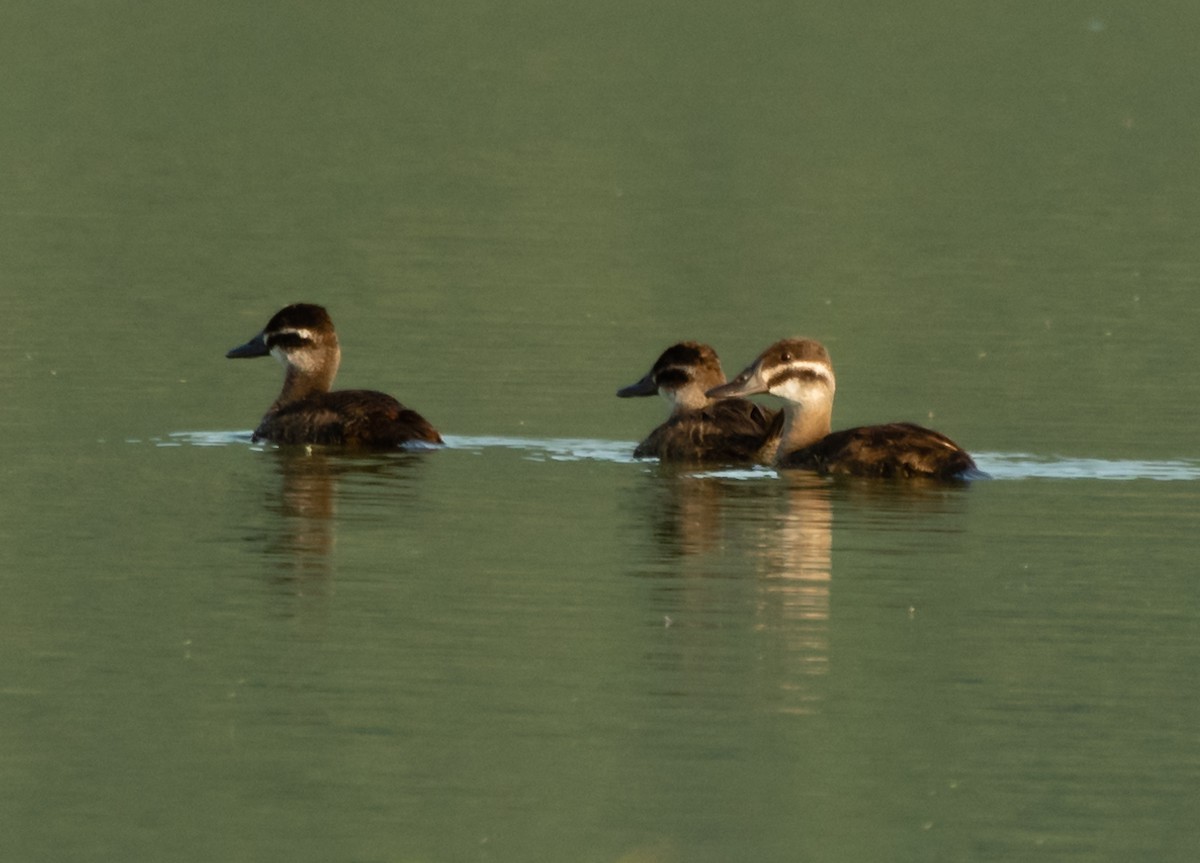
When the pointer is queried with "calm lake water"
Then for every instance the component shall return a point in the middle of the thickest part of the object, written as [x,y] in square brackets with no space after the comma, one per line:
[529,646]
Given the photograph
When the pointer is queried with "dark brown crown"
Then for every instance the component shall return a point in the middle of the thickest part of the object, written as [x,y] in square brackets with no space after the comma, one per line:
[299,316]
[673,368]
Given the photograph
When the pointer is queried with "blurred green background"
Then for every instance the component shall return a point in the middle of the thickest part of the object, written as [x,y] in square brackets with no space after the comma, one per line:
[543,650]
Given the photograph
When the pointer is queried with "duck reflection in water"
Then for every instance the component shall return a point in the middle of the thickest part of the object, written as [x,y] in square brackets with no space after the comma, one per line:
[728,545]
[303,515]
[794,551]
[301,547]
[751,552]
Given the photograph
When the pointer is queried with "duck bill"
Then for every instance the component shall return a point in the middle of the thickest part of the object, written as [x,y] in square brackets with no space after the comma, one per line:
[645,387]
[256,347]
[748,383]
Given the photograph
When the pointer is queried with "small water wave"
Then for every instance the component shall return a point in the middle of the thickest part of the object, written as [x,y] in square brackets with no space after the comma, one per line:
[551,449]
[1010,466]
[997,465]
[536,449]
[1029,466]
[206,438]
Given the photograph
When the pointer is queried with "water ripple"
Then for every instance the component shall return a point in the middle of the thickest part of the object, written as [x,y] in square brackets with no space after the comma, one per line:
[1028,466]
[998,465]
[551,449]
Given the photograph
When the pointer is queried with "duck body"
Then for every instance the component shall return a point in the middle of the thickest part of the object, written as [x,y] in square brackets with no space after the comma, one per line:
[894,450]
[700,429]
[731,431]
[301,336]
[362,418]
[801,373]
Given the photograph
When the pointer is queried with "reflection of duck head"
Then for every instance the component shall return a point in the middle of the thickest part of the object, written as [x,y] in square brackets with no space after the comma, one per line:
[700,429]
[800,372]
[301,336]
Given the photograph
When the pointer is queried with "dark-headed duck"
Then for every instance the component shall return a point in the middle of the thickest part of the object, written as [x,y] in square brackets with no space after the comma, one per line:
[302,337]
[701,429]
[800,372]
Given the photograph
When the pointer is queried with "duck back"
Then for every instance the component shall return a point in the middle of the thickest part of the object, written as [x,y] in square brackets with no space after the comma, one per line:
[361,418]
[891,450]
[731,431]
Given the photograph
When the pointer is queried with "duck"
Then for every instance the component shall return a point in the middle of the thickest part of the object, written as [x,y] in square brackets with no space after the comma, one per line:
[699,428]
[800,372]
[302,337]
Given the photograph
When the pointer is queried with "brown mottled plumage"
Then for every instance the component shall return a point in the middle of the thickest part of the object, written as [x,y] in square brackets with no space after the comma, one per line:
[302,337]
[800,372]
[700,429]
[891,450]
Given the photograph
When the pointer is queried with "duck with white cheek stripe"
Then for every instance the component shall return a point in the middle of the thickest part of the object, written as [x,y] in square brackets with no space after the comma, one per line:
[301,336]
[700,429]
[800,372]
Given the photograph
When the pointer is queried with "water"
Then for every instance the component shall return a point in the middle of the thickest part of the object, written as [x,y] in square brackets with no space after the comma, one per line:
[529,645]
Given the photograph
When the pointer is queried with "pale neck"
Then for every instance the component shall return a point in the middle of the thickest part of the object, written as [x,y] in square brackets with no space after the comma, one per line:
[690,398]
[803,427]
[300,382]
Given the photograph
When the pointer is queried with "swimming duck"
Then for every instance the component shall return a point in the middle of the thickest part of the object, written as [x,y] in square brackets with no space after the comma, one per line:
[800,372]
[302,337]
[701,429]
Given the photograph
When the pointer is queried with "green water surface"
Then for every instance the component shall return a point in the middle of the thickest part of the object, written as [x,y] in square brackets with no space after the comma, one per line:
[528,646]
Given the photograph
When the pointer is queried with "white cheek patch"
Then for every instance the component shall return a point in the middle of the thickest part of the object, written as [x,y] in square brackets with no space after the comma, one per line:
[305,359]
[681,381]
[791,389]
[800,381]
[278,353]
[687,397]
[672,396]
